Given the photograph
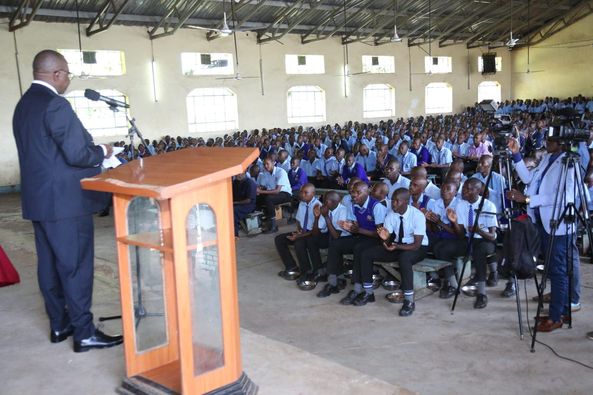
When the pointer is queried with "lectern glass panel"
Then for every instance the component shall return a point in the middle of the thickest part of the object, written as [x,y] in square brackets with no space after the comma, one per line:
[208,348]
[147,276]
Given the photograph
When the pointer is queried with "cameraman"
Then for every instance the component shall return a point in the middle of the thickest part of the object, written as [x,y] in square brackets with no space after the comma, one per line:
[540,197]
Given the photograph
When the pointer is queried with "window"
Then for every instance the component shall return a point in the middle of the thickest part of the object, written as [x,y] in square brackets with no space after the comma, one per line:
[195,63]
[96,116]
[497,62]
[438,64]
[489,90]
[306,104]
[212,109]
[305,64]
[95,63]
[438,98]
[378,64]
[378,101]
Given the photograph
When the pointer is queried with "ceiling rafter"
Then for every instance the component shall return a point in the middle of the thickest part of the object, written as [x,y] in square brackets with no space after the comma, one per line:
[24,14]
[579,12]
[175,16]
[106,16]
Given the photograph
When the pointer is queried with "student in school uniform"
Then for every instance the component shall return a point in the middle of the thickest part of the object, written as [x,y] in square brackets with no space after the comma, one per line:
[273,188]
[393,178]
[407,159]
[369,214]
[296,176]
[305,219]
[352,169]
[404,239]
[244,196]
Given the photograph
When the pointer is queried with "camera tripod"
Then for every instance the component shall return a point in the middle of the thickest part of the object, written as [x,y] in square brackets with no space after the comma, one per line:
[565,213]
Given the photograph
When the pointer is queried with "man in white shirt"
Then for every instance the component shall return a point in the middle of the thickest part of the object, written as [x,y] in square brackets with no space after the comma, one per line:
[367,159]
[404,240]
[407,159]
[311,165]
[394,179]
[273,187]
[484,234]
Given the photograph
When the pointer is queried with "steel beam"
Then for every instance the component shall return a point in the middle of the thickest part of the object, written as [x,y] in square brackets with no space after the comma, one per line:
[108,13]
[236,25]
[179,12]
[585,8]
[24,14]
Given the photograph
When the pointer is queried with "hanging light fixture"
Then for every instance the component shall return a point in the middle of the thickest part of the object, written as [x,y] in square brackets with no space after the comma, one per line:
[395,38]
[224,30]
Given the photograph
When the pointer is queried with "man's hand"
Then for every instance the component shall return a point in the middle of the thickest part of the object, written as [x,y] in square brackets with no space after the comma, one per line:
[383,233]
[109,150]
[514,146]
[390,246]
[317,211]
[324,210]
[452,215]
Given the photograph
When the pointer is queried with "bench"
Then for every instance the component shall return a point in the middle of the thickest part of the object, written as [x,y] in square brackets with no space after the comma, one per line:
[279,211]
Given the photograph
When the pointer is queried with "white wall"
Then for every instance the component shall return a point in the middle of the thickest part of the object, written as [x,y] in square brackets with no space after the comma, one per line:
[563,62]
[168,115]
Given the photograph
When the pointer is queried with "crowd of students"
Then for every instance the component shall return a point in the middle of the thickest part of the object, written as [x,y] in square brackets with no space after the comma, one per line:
[411,187]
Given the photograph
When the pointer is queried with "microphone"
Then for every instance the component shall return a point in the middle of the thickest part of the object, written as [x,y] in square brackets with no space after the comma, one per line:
[96,96]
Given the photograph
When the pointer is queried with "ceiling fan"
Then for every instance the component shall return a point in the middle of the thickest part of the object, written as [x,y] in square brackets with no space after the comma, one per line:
[513,40]
[395,38]
[224,30]
[237,75]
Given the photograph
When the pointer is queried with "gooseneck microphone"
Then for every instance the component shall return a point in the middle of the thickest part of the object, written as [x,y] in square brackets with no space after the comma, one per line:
[96,96]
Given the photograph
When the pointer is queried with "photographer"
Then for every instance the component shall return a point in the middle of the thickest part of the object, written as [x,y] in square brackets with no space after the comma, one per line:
[542,204]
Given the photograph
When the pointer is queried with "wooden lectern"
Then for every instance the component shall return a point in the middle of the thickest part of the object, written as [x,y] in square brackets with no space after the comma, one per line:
[177,270]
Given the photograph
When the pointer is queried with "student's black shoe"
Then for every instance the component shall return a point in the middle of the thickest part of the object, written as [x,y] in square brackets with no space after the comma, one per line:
[509,290]
[492,279]
[447,292]
[349,299]
[407,309]
[327,290]
[481,301]
[364,298]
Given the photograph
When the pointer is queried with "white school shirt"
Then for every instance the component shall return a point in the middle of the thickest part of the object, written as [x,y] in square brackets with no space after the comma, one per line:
[486,221]
[414,225]
[308,208]
[340,213]
[271,180]
[401,182]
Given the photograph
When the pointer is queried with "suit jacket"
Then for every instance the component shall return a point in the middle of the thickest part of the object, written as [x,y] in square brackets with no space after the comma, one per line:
[542,192]
[55,153]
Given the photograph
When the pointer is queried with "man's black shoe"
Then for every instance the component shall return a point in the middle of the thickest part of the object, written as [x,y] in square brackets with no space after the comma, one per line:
[60,336]
[349,299]
[447,291]
[98,340]
[364,298]
[509,290]
[407,309]
[492,279]
[289,274]
[327,290]
[481,301]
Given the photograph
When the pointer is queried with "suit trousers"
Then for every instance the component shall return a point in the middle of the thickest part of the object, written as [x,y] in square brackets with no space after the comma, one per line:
[65,266]
[405,259]
[269,201]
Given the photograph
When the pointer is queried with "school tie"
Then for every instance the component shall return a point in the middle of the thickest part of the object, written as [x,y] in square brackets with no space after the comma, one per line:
[306,220]
[400,235]
[470,218]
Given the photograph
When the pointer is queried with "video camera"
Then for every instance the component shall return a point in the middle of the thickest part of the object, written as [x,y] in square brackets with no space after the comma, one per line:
[503,130]
[564,127]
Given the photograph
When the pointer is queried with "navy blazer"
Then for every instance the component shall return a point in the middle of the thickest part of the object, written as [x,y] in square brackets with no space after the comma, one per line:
[55,153]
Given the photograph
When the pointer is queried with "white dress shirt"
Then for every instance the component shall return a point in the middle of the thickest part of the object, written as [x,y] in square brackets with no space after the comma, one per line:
[414,225]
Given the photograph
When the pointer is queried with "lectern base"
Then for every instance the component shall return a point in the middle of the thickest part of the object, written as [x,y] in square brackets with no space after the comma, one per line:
[139,385]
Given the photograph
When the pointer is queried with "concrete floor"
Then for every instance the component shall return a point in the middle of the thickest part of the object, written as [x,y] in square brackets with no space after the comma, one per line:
[295,343]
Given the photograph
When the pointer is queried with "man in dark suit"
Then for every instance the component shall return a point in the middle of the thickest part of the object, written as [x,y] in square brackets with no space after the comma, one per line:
[55,153]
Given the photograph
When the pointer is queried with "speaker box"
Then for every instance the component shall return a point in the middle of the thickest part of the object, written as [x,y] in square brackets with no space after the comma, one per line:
[488,63]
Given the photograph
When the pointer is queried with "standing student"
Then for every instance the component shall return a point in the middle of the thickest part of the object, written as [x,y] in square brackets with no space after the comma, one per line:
[55,153]
[273,188]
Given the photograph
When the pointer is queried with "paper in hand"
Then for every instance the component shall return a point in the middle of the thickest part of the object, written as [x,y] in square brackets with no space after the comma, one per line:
[112,161]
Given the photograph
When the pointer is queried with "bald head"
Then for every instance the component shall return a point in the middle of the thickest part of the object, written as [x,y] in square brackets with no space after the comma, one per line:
[51,67]
[419,172]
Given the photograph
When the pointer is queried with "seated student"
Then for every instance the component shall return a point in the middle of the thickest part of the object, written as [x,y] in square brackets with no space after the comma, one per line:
[383,158]
[393,179]
[442,236]
[244,196]
[347,199]
[441,156]
[311,165]
[329,216]
[283,160]
[419,199]
[407,159]
[352,169]
[497,184]
[404,240]
[273,188]
[329,169]
[459,166]
[296,176]
[368,215]
[253,171]
[484,243]
[367,159]
[421,152]
[431,189]
[305,218]
[380,191]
